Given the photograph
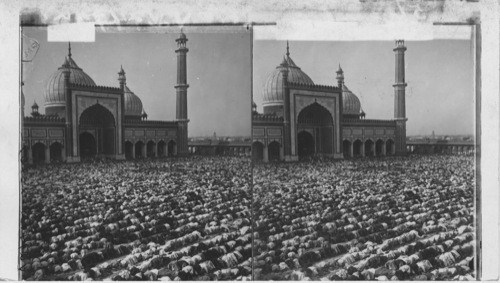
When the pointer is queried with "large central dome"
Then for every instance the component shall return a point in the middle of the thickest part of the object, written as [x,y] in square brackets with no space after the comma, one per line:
[54,89]
[273,89]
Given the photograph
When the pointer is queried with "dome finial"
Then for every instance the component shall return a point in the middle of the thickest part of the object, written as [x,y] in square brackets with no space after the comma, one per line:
[181,41]
[66,62]
[285,62]
[340,77]
[69,49]
[287,49]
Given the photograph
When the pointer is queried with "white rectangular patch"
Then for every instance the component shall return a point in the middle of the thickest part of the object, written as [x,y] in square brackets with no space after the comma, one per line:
[82,32]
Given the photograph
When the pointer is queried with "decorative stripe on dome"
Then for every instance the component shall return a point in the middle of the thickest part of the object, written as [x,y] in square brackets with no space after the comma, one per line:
[133,104]
[351,103]
[273,88]
[54,89]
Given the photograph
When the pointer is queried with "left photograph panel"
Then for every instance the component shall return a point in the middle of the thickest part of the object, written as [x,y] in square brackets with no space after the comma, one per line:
[136,155]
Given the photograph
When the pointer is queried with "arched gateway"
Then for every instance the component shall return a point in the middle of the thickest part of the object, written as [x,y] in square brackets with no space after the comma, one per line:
[97,132]
[315,131]
[257,151]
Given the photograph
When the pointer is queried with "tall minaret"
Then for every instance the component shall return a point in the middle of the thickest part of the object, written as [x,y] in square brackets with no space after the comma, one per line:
[181,91]
[122,79]
[70,145]
[399,98]
[287,130]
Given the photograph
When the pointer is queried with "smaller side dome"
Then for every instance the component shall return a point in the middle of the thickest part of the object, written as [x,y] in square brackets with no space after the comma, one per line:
[350,102]
[133,104]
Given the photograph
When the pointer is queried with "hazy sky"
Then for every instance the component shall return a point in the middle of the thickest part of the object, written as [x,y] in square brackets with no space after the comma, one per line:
[219,73]
[439,96]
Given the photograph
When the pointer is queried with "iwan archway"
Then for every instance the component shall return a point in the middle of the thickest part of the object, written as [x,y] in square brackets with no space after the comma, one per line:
[315,131]
[97,132]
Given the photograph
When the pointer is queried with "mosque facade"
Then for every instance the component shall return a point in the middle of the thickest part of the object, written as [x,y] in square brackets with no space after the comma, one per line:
[83,120]
[302,119]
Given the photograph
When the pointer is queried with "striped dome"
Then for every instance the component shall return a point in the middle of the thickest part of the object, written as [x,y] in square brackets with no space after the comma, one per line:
[350,102]
[54,89]
[273,89]
[133,104]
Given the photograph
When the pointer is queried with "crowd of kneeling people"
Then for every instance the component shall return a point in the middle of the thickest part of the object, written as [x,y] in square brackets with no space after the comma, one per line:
[182,219]
[399,218]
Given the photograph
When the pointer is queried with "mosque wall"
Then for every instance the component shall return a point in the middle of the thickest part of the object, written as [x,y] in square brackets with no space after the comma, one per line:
[135,134]
[42,134]
[274,109]
[363,133]
[369,138]
[60,111]
[266,134]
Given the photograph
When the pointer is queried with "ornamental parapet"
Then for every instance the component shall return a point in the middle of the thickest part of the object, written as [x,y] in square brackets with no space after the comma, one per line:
[360,122]
[327,88]
[149,123]
[266,117]
[44,119]
[93,87]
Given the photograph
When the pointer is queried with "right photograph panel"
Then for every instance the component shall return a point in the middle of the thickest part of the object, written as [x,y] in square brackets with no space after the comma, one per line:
[364,160]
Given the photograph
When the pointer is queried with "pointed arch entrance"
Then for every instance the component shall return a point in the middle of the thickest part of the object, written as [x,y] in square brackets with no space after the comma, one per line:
[161,146]
[357,148]
[129,150]
[369,148]
[317,122]
[380,148]
[38,152]
[257,151]
[140,150]
[274,151]
[306,144]
[347,148]
[389,147]
[151,149]
[88,145]
[56,153]
[98,122]
[172,148]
